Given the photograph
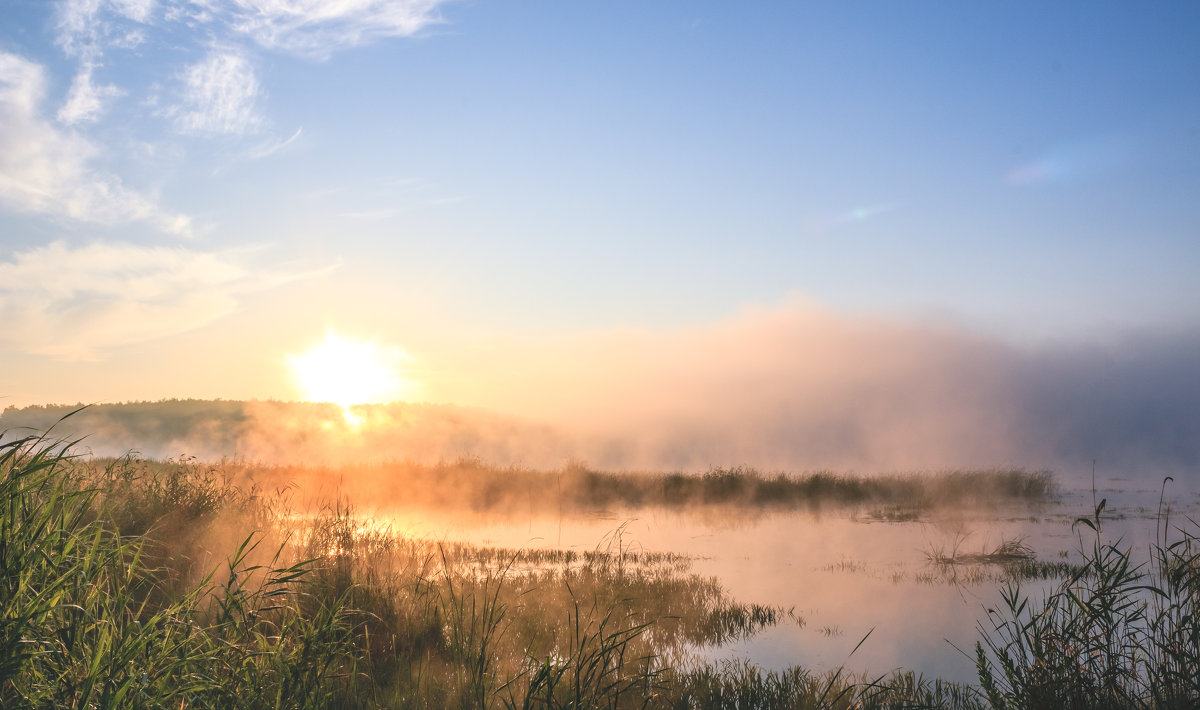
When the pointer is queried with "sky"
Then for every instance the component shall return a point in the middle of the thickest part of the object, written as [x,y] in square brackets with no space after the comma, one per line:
[512,202]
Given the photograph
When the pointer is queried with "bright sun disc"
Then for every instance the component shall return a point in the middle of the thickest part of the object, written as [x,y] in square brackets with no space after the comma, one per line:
[347,372]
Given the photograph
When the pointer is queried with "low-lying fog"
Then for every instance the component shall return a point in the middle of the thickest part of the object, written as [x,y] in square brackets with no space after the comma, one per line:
[792,388]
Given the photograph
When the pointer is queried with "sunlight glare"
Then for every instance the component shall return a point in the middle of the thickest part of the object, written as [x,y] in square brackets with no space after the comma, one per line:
[347,372]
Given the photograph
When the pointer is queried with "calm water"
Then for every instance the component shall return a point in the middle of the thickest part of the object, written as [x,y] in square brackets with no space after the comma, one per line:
[844,572]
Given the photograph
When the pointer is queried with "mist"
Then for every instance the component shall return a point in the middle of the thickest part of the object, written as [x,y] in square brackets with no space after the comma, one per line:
[791,388]
[798,387]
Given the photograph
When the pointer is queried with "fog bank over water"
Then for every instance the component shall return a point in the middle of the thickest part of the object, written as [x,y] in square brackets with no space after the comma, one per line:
[799,387]
[792,388]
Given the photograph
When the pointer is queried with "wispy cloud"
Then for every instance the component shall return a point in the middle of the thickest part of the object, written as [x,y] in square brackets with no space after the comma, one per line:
[314,28]
[220,94]
[50,164]
[273,146]
[48,170]
[87,27]
[85,101]
[72,303]
[317,28]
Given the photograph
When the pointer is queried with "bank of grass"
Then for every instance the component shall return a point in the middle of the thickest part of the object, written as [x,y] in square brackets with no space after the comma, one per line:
[469,483]
[134,584]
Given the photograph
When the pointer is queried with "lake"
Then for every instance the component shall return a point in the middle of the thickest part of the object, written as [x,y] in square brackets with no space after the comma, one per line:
[845,572]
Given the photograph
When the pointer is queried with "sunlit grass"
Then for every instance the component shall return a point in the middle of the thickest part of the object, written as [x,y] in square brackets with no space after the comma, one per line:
[90,619]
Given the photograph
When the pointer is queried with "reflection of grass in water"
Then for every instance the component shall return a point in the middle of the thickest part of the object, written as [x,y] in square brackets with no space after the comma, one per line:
[1007,552]
[889,514]
[1011,560]
[847,565]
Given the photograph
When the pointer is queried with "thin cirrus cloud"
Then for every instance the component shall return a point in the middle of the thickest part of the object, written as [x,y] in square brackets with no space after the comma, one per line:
[44,169]
[71,303]
[272,147]
[219,96]
[86,100]
[87,27]
[317,27]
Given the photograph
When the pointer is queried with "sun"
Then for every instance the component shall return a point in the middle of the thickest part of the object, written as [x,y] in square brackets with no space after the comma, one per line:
[348,372]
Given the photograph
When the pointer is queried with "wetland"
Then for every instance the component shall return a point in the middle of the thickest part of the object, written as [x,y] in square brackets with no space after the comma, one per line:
[461,584]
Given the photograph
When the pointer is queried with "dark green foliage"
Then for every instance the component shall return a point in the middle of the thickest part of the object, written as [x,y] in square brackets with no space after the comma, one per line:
[738,684]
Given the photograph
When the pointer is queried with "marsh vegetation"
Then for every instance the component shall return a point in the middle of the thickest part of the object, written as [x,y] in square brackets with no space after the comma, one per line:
[134,583]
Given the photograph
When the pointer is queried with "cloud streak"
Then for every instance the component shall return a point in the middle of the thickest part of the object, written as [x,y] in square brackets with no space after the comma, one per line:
[71,303]
[271,147]
[316,28]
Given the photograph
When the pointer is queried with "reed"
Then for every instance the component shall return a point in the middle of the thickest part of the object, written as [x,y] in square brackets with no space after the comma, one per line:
[85,623]
[1119,633]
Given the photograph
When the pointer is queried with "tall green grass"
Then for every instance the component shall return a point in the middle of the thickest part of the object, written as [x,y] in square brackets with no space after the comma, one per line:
[1118,633]
[84,622]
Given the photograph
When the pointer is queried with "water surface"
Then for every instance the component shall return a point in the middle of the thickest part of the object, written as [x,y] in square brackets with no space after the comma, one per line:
[845,572]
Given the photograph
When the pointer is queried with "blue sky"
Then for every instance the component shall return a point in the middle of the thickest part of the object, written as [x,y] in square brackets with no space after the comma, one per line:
[192,190]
